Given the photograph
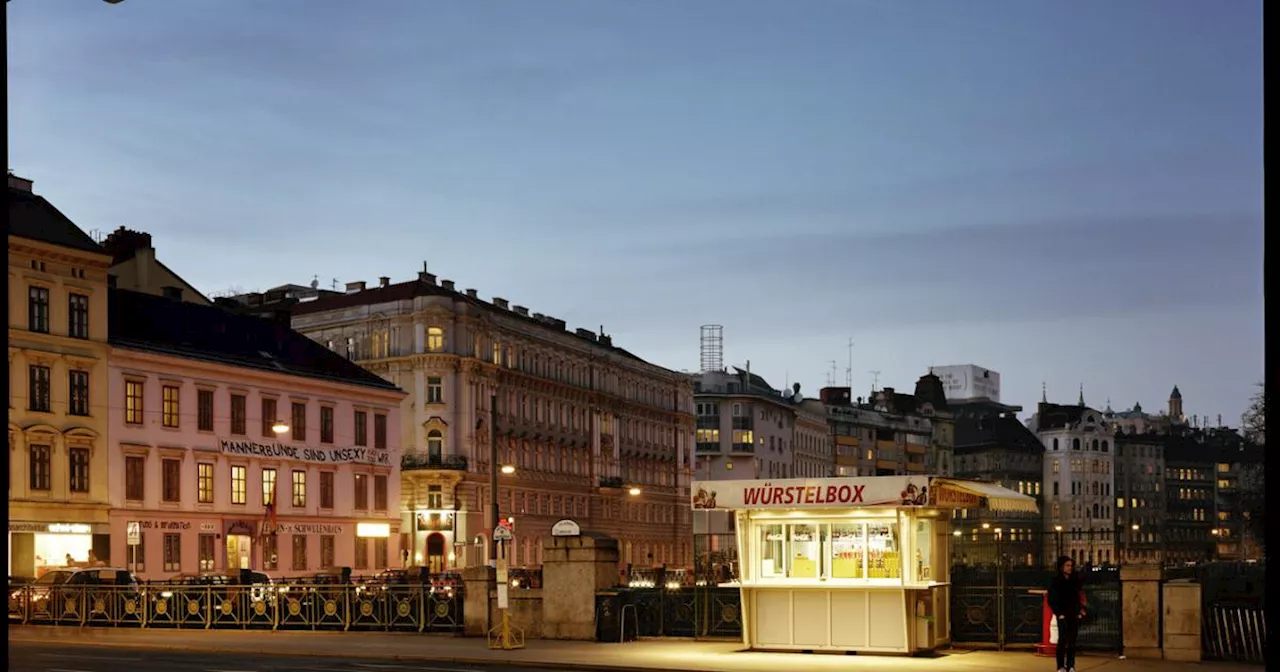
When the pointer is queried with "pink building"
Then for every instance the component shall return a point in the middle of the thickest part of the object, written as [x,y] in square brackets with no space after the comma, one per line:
[236,442]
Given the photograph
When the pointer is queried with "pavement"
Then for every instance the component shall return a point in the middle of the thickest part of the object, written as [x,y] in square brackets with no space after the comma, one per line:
[260,651]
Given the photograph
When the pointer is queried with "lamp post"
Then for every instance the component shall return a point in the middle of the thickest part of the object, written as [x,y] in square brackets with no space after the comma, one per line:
[1057,531]
[493,477]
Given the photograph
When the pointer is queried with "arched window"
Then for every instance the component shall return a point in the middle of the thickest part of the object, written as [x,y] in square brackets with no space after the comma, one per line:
[1095,445]
[1105,447]
[1075,444]
[435,445]
[1055,444]
[435,339]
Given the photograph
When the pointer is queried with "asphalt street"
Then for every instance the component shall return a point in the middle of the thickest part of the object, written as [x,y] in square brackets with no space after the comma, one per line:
[27,657]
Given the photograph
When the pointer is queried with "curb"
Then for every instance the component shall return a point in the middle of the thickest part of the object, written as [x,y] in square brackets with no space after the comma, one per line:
[406,658]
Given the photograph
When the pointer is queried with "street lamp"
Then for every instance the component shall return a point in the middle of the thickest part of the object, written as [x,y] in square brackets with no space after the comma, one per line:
[280,427]
[1057,530]
[507,469]
[634,491]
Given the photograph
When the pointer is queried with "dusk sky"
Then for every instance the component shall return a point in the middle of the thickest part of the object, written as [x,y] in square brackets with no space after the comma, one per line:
[1065,192]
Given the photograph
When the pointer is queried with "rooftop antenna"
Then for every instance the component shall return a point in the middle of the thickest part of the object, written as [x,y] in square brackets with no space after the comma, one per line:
[1044,392]
[335,284]
[848,371]
[315,282]
[833,373]
[875,379]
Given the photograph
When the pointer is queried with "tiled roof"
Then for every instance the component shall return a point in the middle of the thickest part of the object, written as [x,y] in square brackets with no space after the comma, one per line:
[31,216]
[156,324]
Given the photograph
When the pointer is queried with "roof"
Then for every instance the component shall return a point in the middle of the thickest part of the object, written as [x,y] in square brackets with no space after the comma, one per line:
[974,434]
[1057,416]
[32,217]
[405,291]
[164,326]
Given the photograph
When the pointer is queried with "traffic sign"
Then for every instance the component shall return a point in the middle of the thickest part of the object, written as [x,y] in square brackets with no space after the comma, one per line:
[503,533]
[133,533]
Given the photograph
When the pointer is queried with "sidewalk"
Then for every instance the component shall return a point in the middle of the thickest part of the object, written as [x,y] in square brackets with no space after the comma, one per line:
[646,655]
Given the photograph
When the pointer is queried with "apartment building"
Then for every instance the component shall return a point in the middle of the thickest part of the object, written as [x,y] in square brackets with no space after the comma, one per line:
[1140,497]
[1079,485]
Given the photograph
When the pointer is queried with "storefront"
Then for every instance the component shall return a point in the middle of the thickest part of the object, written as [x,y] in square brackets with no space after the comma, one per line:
[847,564]
[34,548]
[431,542]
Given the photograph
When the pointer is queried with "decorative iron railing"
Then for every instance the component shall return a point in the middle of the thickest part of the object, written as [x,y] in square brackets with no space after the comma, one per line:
[410,461]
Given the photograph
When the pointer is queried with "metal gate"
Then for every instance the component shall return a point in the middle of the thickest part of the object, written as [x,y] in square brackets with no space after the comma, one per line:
[1003,607]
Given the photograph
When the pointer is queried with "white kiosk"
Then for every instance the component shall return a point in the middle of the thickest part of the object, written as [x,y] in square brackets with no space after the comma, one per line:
[847,564]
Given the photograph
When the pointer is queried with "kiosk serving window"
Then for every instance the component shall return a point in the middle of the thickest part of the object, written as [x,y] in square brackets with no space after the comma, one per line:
[839,549]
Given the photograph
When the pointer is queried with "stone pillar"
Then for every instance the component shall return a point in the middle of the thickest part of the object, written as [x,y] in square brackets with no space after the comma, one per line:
[1140,602]
[1182,621]
[477,613]
[573,569]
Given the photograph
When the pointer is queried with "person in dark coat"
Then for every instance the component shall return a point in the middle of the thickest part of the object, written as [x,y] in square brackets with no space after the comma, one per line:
[1066,600]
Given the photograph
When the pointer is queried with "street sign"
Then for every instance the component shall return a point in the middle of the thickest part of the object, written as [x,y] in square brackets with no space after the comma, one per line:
[566,528]
[133,532]
[502,534]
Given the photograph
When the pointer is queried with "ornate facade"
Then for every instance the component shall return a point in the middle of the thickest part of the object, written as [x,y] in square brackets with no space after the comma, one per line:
[593,432]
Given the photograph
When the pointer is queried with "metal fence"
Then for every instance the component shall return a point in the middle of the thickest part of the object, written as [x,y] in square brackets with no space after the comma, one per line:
[279,607]
[1233,607]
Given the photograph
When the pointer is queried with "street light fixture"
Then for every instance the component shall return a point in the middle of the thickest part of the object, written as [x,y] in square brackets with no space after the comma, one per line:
[280,427]
[508,469]
[634,491]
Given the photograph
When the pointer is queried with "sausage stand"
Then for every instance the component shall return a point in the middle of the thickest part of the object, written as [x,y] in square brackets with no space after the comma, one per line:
[848,564]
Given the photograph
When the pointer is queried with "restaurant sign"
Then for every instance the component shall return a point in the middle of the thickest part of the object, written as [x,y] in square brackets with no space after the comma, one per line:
[280,451]
[811,493]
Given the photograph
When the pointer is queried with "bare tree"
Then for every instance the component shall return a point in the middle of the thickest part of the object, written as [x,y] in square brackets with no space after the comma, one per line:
[1254,421]
[1253,486]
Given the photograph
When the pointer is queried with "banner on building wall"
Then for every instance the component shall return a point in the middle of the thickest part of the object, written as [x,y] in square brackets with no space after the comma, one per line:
[872,491]
[279,451]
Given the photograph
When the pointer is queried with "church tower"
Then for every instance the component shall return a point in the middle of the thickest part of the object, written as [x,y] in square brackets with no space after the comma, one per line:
[1175,405]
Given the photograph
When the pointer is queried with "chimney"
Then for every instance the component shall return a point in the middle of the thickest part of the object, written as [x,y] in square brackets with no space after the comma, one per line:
[586,333]
[539,317]
[125,244]
[500,302]
[427,278]
[19,183]
[353,287]
[521,310]
[384,281]
[471,293]
[447,284]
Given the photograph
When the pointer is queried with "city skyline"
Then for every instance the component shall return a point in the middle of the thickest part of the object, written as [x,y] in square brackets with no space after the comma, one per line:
[893,176]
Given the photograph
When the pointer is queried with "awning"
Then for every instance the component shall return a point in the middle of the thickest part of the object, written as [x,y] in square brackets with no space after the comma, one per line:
[961,494]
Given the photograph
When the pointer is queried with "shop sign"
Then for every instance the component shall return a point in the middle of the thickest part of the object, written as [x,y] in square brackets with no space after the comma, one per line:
[236,528]
[208,527]
[171,525]
[373,530]
[280,451]
[812,493]
[308,528]
[434,522]
[52,528]
[952,498]
[566,528]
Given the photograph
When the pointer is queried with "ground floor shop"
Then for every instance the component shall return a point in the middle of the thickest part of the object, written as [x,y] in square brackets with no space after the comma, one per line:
[160,544]
[429,539]
[44,536]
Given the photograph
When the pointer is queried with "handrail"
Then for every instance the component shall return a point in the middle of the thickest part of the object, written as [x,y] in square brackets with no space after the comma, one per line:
[622,629]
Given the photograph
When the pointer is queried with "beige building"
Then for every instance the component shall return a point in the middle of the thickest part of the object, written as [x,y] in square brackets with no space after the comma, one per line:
[890,433]
[58,404]
[134,267]
[593,432]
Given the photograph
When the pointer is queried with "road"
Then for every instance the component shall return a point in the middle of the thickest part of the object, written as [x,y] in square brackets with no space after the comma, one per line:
[31,657]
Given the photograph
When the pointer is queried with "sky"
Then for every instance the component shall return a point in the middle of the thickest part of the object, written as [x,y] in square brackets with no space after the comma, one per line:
[1069,193]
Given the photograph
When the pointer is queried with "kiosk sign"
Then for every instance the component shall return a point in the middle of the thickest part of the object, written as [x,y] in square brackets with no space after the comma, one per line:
[813,493]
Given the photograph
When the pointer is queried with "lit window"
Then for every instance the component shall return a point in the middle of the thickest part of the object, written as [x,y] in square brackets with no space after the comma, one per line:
[169,406]
[435,339]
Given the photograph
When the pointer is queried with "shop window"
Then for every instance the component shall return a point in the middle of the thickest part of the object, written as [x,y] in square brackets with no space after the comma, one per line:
[78,389]
[435,390]
[326,424]
[326,489]
[271,552]
[848,550]
[268,487]
[380,492]
[299,499]
[39,391]
[38,458]
[206,546]
[239,484]
[380,431]
[299,553]
[239,415]
[135,477]
[204,483]
[169,410]
[204,410]
[78,466]
[171,480]
[361,420]
[362,553]
[361,492]
[172,553]
[924,550]
[298,430]
[38,309]
[268,418]
[380,553]
[326,551]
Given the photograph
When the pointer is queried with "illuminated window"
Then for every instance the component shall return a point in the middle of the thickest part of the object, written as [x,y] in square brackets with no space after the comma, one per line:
[497,352]
[1120,503]
[169,406]
[435,339]
[299,489]
[133,402]
[204,482]
[268,487]
[708,436]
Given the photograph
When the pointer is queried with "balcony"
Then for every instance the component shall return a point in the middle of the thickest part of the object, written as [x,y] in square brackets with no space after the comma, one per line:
[611,482]
[916,449]
[708,447]
[743,448]
[414,462]
[842,440]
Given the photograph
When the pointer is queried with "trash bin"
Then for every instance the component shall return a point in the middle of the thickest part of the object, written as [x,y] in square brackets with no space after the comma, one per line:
[608,616]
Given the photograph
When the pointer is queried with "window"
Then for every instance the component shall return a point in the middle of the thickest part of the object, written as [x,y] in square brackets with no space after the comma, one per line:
[299,552]
[435,390]
[299,426]
[1055,444]
[239,483]
[78,393]
[38,309]
[326,551]
[206,546]
[435,445]
[435,339]
[326,489]
[172,552]
[268,417]
[362,428]
[268,487]
[239,415]
[38,457]
[171,481]
[380,431]
[133,402]
[1075,444]
[77,316]
[1055,488]
[497,352]
[380,553]
[299,489]
[204,483]
[271,553]
[326,424]
[204,410]
[362,553]
[78,466]
[380,492]
[362,492]
[435,497]
[39,391]
[169,406]
[135,477]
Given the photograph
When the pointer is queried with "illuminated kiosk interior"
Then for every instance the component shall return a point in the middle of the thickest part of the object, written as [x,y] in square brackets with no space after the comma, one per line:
[848,564]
